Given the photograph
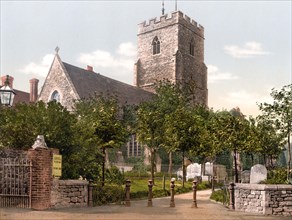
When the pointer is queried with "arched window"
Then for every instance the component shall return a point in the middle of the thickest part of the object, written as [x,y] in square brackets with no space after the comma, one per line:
[192,47]
[55,96]
[156,46]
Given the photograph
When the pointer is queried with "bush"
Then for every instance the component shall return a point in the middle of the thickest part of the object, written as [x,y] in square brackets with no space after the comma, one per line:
[113,175]
[107,194]
[277,176]
[220,196]
[204,185]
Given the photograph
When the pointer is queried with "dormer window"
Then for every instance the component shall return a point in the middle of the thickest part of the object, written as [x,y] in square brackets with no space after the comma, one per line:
[192,47]
[55,96]
[156,46]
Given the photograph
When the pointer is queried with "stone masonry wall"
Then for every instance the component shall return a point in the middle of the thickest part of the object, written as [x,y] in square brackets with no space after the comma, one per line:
[69,193]
[264,199]
[174,62]
[57,80]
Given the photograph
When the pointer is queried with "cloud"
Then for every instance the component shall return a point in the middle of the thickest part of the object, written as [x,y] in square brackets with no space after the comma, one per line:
[39,69]
[250,49]
[118,65]
[215,75]
[245,100]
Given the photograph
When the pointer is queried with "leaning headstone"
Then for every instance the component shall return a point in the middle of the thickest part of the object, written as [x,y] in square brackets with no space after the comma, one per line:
[245,176]
[258,173]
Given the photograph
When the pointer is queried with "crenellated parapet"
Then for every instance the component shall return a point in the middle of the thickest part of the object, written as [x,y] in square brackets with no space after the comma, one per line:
[170,19]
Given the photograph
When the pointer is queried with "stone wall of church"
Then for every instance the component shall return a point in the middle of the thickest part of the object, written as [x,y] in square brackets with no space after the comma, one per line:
[159,66]
[174,62]
[58,81]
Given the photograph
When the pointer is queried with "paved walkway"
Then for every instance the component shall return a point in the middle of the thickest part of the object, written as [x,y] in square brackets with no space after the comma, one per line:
[138,210]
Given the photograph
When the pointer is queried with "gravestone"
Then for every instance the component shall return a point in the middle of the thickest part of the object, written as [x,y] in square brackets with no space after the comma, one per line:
[258,173]
[193,170]
[209,169]
[220,172]
[245,176]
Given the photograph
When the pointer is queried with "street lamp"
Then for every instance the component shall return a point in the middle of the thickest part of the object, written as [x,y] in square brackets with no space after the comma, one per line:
[6,93]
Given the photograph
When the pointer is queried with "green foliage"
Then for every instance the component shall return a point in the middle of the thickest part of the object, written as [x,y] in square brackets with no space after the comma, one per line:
[21,124]
[151,117]
[114,176]
[220,196]
[99,126]
[280,113]
[107,194]
[277,176]
[204,185]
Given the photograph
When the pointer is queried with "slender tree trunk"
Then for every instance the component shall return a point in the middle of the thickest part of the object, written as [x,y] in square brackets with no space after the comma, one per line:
[152,159]
[272,165]
[252,159]
[289,154]
[184,169]
[235,165]
[103,165]
[170,164]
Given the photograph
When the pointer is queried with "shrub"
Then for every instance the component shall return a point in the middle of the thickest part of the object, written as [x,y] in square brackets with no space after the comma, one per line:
[113,175]
[220,196]
[204,185]
[277,176]
[107,194]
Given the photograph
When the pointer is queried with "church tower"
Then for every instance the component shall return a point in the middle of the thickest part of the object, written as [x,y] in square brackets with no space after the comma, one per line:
[172,47]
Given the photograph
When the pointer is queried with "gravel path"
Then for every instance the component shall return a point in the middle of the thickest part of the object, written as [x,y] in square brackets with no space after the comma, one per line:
[139,210]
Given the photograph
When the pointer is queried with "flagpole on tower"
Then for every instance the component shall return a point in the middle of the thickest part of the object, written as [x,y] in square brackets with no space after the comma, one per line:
[162,7]
[175,5]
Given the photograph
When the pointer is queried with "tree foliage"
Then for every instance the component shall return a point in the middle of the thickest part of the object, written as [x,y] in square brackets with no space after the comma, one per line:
[99,126]
[280,112]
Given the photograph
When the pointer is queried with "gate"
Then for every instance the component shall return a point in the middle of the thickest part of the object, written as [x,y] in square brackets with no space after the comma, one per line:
[15,182]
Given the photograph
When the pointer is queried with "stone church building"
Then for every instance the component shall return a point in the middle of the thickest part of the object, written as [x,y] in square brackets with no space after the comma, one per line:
[169,47]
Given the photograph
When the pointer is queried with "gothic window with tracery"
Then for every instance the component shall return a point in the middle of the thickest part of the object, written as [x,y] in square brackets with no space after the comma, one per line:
[55,96]
[156,45]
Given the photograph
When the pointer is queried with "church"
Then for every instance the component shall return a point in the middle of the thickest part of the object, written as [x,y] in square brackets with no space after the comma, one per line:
[168,47]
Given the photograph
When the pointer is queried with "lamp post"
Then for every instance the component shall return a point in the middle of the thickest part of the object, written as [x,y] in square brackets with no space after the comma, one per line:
[6,94]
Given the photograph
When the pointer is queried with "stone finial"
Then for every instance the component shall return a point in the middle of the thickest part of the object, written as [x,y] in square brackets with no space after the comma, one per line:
[39,142]
[57,50]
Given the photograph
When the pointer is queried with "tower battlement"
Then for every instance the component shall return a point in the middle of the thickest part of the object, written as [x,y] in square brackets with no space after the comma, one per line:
[176,17]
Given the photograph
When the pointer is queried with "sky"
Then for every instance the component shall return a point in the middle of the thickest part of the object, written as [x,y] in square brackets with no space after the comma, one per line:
[247,43]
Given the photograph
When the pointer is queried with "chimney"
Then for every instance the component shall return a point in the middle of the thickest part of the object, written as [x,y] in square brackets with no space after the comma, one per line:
[90,68]
[10,78]
[33,90]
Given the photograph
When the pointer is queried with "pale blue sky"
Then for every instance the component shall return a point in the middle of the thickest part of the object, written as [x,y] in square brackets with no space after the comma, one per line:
[247,43]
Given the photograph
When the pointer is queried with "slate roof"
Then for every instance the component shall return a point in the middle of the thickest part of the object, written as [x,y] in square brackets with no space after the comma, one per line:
[87,83]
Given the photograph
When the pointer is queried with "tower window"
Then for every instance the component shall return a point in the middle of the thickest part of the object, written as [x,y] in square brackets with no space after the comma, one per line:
[156,46]
[55,96]
[192,47]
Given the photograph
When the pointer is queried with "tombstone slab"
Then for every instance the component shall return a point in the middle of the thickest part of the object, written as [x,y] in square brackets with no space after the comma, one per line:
[209,169]
[193,170]
[258,173]
[245,176]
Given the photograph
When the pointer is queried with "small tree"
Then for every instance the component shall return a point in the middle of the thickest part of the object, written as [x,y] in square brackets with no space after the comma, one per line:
[99,127]
[151,117]
[280,112]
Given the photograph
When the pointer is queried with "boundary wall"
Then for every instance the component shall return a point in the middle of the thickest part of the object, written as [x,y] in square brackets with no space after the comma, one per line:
[69,193]
[264,199]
